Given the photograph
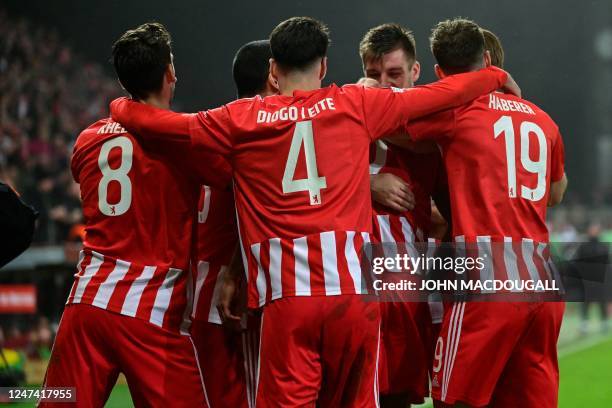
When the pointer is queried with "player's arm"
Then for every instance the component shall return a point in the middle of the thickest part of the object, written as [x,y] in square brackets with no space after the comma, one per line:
[428,129]
[209,130]
[229,296]
[558,177]
[441,218]
[386,113]
[557,191]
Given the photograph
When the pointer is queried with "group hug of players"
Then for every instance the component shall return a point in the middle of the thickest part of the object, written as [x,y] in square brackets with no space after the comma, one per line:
[265,204]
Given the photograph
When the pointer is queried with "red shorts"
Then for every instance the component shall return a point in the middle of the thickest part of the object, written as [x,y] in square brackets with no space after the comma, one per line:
[221,357]
[94,345]
[319,351]
[406,353]
[503,354]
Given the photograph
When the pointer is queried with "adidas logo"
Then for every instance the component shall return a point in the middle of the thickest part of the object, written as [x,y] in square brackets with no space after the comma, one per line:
[434,382]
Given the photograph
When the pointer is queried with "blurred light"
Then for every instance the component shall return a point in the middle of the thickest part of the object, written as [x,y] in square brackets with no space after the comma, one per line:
[603,44]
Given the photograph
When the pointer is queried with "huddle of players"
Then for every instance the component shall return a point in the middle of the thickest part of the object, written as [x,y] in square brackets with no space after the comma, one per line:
[301,223]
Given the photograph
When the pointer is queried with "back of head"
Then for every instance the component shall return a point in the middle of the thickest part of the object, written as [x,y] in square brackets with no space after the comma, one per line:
[299,42]
[141,57]
[385,38]
[251,68]
[458,45]
[494,46]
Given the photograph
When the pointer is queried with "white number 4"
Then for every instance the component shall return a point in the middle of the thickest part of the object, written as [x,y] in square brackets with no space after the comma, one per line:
[302,135]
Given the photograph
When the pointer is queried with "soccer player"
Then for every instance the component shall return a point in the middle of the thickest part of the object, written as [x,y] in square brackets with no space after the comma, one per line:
[220,350]
[300,167]
[127,310]
[388,53]
[504,158]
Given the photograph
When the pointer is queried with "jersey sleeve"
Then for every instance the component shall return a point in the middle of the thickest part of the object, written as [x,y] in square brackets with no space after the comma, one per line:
[386,111]
[150,123]
[212,130]
[209,130]
[436,127]
[557,165]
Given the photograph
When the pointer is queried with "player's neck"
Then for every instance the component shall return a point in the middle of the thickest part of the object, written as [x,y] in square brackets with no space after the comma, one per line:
[297,83]
[158,101]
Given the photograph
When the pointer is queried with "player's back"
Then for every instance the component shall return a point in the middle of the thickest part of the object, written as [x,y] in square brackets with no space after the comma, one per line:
[501,158]
[302,186]
[301,164]
[130,196]
[139,208]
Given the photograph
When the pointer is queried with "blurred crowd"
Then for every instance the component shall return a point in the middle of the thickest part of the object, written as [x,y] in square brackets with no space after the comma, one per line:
[47,96]
[34,339]
[23,345]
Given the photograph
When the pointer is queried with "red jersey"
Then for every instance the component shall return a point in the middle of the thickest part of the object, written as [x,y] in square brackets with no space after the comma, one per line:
[424,173]
[301,172]
[217,240]
[139,204]
[501,154]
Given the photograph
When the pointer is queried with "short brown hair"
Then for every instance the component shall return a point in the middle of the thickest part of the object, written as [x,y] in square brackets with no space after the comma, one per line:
[457,44]
[141,57]
[298,41]
[494,46]
[385,38]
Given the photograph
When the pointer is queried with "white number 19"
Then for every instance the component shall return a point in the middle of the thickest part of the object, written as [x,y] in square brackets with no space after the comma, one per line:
[302,135]
[505,126]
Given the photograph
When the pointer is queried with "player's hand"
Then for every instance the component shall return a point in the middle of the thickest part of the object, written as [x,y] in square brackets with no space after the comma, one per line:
[391,191]
[226,302]
[369,82]
[511,86]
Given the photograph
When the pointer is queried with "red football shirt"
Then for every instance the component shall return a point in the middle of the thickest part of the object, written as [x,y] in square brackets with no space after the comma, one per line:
[501,154]
[301,172]
[424,173]
[139,204]
[217,240]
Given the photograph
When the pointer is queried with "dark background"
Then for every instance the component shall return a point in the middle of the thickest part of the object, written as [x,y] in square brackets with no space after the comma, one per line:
[550,50]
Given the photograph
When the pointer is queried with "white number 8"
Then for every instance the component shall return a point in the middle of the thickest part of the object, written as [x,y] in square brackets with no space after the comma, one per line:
[119,175]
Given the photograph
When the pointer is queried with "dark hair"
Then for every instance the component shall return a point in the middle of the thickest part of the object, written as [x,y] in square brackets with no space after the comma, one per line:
[457,44]
[141,57]
[297,42]
[251,68]
[385,38]
[494,46]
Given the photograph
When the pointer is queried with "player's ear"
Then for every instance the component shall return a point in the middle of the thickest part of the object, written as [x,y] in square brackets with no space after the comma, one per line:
[487,58]
[439,73]
[323,71]
[416,71]
[272,84]
[273,70]
[171,74]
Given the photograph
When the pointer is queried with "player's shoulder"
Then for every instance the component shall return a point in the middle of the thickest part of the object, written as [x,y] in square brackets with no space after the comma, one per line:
[509,104]
[100,129]
[97,133]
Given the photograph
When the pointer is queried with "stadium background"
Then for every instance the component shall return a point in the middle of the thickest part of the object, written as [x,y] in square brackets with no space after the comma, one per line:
[55,79]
